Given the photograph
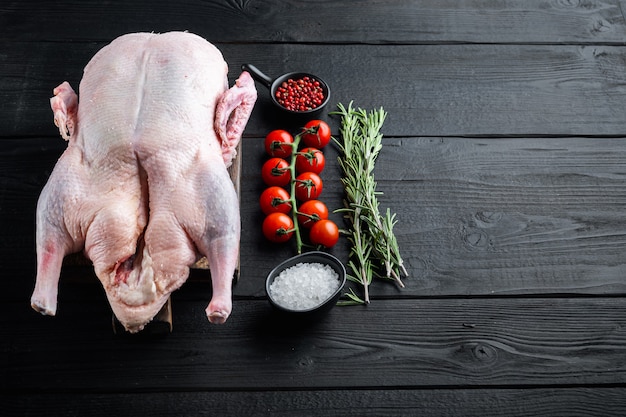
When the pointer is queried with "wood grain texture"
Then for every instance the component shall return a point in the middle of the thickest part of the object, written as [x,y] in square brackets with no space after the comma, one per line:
[503,159]
[449,90]
[486,216]
[291,21]
[391,343]
[599,402]
[476,216]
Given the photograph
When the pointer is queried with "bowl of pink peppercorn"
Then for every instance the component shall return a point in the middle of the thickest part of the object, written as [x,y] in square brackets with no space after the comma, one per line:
[298,93]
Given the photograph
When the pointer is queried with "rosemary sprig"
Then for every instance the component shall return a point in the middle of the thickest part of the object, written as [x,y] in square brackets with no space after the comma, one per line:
[375,251]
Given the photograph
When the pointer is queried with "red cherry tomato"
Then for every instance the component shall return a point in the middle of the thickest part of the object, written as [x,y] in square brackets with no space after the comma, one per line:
[310,160]
[275,199]
[308,186]
[278,143]
[278,227]
[275,171]
[311,212]
[325,233]
[320,138]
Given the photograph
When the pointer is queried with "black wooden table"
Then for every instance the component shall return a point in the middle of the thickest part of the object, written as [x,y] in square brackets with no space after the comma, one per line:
[504,158]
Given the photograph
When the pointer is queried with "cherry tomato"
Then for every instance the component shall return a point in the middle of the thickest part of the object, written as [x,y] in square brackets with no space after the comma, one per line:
[278,227]
[311,212]
[278,143]
[308,186]
[310,160]
[325,233]
[275,171]
[318,139]
[275,199]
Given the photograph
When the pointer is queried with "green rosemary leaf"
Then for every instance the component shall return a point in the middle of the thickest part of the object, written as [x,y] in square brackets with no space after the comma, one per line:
[374,245]
[353,299]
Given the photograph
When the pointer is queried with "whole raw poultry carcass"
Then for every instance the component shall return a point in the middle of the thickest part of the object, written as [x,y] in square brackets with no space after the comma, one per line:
[143,186]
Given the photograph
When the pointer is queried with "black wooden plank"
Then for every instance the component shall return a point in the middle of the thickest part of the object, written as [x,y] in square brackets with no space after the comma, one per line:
[441,90]
[484,216]
[514,243]
[25,165]
[407,21]
[476,216]
[579,401]
[543,215]
[454,343]
[466,90]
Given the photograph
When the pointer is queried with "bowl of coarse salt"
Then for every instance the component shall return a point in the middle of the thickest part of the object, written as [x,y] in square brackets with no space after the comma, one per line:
[307,285]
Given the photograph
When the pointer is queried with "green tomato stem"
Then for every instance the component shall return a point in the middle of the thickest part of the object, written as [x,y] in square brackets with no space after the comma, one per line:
[292,193]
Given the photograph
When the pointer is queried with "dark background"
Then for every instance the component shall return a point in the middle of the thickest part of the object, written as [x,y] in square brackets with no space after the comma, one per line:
[504,158]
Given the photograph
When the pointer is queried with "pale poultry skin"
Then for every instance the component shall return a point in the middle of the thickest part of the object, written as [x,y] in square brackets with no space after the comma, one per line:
[143,187]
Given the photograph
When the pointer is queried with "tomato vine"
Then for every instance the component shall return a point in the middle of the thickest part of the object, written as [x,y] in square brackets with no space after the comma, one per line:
[305,185]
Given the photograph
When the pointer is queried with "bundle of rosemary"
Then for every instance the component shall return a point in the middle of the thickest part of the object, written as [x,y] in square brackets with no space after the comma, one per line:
[375,251]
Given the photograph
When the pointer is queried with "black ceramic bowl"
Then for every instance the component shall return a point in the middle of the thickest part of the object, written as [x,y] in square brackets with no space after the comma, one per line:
[274,84]
[324,306]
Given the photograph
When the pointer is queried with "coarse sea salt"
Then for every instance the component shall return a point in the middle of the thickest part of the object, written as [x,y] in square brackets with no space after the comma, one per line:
[304,285]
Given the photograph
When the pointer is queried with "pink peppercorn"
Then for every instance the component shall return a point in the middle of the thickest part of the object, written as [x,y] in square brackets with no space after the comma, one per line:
[301,94]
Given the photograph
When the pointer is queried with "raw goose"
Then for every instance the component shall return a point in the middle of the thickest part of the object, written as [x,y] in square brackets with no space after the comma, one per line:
[143,186]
